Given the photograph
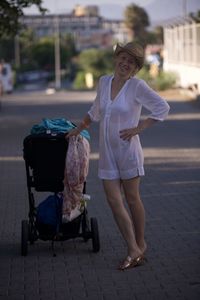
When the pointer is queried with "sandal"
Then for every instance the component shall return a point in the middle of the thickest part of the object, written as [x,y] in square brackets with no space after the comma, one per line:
[130,262]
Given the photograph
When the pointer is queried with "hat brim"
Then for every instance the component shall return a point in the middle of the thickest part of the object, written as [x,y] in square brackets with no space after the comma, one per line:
[119,49]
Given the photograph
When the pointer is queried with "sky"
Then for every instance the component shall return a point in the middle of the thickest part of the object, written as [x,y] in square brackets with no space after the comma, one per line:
[64,5]
[156,9]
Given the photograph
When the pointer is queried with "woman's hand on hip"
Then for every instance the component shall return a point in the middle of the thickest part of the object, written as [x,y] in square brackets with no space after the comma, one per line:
[127,134]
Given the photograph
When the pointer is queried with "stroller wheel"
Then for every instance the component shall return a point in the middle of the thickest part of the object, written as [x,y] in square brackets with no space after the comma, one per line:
[24,238]
[95,235]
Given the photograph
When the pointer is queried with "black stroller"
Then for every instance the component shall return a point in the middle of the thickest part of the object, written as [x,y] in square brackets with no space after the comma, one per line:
[44,156]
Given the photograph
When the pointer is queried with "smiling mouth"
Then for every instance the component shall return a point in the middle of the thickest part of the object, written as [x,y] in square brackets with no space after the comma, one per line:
[124,69]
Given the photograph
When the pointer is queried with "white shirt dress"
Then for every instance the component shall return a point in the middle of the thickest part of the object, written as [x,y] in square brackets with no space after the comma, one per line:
[119,159]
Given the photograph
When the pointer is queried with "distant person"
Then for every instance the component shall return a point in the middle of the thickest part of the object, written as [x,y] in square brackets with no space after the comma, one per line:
[1,82]
[161,55]
[117,106]
[6,77]
[154,62]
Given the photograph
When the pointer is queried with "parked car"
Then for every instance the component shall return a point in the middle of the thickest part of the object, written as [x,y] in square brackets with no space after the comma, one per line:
[33,76]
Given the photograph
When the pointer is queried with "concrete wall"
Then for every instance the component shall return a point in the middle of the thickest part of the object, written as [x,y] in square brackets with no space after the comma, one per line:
[188,76]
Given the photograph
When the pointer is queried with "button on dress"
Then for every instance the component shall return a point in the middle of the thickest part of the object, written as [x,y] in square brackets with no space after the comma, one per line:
[119,158]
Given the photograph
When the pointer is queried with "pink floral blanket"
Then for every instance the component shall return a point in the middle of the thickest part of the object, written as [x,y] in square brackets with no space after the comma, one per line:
[76,170]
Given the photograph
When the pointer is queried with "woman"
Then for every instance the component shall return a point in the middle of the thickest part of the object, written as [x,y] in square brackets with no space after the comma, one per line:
[117,106]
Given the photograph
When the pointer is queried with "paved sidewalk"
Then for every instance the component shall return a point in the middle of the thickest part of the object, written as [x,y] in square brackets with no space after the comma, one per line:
[170,191]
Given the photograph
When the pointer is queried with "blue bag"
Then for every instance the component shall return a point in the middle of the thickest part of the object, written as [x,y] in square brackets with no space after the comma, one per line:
[49,217]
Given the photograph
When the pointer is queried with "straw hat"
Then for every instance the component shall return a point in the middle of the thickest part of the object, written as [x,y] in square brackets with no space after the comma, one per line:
[133,49]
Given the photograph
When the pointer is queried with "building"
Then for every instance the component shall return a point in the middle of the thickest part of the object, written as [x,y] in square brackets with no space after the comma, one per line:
[68,23]
[182,51]
[88,28]
[90,10]
[119,30]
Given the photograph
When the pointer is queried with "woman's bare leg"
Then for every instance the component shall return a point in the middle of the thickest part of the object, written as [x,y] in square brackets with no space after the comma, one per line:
[131,191]
[113,193]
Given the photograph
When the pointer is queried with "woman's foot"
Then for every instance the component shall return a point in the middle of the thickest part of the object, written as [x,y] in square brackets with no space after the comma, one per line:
[131,262]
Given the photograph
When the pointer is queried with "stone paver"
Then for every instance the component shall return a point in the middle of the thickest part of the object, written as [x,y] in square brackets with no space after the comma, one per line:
[170,191]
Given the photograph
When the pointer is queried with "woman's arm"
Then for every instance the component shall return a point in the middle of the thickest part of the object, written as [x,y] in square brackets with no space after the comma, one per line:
[146,124]
[85,123]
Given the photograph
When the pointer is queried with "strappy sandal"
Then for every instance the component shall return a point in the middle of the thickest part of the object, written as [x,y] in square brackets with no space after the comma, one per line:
[130,262]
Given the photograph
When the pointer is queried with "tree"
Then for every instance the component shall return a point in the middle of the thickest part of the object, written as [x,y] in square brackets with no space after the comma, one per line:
[43,53]
[136,20]
[67,49]
[159,34]
[195,16]
[38,53]
[95,61]
[10,13]
[155,36]
[26,40]
[7,49]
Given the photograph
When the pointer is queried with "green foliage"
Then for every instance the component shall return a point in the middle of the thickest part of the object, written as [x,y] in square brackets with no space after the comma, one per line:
[43,53]
[79,82]
[95,61]
[7,49]
[195,16]
[37,53]
[158,32]
[136,19]
[27,40]
[163,81]
[144,74]
[100,62]
[152,37]
[67,49]
[10,13]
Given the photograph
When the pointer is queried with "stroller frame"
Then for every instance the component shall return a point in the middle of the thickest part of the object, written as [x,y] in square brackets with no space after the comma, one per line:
[44,156]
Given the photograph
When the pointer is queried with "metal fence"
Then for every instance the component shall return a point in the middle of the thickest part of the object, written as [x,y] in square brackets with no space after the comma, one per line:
[182,44]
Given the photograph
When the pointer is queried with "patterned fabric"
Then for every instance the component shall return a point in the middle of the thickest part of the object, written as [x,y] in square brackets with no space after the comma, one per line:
[76,170]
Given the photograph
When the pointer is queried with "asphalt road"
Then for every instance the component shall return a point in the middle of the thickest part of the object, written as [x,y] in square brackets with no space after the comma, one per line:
[171,195]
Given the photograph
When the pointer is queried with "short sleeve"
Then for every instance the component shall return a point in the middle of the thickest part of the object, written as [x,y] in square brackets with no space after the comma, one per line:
[147,97]
[94,111]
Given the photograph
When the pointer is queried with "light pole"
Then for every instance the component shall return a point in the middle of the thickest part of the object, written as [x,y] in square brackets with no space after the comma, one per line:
[57,54]
[17,51]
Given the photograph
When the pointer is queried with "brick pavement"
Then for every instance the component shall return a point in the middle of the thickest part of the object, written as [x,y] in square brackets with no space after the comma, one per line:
[170,191]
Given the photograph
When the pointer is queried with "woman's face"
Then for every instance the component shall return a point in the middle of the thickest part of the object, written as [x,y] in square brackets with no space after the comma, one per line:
[125,65]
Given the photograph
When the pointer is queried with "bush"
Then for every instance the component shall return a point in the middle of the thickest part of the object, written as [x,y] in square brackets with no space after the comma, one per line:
[79,82]
[163,81]
[144,74]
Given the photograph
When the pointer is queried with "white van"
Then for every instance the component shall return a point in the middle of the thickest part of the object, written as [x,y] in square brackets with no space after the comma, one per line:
[6,78]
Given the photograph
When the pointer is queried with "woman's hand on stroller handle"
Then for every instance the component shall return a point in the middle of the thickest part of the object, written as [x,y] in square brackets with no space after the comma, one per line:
[72,132]
[83,125]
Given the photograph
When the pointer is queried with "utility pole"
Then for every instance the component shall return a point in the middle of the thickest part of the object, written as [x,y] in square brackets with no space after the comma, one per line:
[184,7]
[57,54]
[17,51]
